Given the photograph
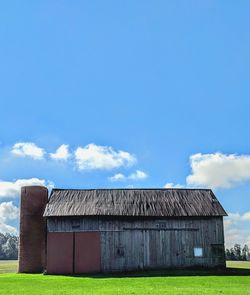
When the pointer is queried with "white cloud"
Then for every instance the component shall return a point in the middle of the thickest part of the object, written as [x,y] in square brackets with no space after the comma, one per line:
[233,218]
[237,229]
[5,228]
[118,177]
[8,212]
[62,153]
[246,216]
[219,170]
[138,175]
[89,157]
[172,185]
[92,157]
[28,149]
[10,189]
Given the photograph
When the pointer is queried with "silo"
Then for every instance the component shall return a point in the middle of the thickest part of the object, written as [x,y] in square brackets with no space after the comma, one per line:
[32,229]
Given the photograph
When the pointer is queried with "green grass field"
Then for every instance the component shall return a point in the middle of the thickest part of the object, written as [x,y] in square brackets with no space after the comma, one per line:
[238,264]
[235,280]
[8,266]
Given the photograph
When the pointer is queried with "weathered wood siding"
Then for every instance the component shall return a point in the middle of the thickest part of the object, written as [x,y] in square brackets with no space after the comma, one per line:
[144,243]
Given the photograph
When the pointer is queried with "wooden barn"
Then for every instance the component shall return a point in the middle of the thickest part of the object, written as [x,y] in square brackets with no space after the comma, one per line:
[118,230]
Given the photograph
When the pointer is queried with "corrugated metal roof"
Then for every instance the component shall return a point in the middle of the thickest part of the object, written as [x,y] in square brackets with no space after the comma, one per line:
[133,202]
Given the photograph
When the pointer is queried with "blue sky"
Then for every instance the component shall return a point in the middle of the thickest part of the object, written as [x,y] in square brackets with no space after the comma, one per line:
[160,81]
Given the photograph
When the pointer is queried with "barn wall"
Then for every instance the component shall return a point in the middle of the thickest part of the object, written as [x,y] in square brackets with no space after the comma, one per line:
[130,244]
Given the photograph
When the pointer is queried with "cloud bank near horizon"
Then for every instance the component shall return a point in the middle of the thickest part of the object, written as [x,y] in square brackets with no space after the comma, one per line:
[8,212]
[216,171]
[236,227]
[11,189]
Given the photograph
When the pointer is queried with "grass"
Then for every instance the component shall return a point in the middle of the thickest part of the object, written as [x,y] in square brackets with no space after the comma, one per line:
[234,281]
[7,266]
[238,264]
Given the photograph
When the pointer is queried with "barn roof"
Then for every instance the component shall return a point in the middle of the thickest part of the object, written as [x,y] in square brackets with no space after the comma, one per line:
[133,202]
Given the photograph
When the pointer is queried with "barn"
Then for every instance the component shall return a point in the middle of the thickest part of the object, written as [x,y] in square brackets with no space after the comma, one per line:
[117,230]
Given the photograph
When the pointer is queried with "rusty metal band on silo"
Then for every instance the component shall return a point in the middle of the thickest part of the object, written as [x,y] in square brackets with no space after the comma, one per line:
[32,240]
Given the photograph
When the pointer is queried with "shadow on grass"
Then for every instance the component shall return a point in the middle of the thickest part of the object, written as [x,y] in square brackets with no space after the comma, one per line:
[170,273]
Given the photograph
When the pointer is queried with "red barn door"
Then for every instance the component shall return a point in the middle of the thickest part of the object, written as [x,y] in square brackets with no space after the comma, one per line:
[87,252]
[60,253]
[69,253]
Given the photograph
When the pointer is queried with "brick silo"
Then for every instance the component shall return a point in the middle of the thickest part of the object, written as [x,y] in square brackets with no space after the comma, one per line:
[32,229]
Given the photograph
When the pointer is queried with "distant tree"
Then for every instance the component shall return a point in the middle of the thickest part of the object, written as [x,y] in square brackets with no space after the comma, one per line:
[228,254]
[2,242]
[232,255]
[237,252]
[8,246]
[245,252]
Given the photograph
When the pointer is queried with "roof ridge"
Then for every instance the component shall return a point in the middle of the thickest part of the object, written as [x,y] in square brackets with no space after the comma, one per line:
[136,189]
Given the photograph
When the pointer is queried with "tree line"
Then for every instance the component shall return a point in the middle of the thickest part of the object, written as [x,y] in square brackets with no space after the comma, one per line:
[8,246]
[238,253]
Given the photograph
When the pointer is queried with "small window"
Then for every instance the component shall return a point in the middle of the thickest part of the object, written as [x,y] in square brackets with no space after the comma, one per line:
[120,251]
[198,252]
